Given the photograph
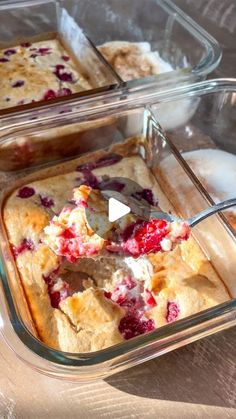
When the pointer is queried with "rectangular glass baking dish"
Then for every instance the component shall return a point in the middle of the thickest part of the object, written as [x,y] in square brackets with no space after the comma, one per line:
[26,18]
[38,20]
[180,41]
[214,236]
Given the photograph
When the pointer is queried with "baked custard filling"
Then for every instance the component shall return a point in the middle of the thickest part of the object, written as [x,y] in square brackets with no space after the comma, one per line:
[89,289]
[36,71]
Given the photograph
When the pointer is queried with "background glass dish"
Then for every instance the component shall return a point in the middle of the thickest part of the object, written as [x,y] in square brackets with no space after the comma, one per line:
[180,41]
[162,24]
[40,20]
[214,236]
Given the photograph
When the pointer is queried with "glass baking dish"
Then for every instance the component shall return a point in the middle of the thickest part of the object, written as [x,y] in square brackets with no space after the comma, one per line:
[180,41]
[213,235]
[24,22]
[21,20]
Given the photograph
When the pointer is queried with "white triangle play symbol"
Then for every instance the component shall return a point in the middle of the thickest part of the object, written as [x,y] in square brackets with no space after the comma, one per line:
[116,210]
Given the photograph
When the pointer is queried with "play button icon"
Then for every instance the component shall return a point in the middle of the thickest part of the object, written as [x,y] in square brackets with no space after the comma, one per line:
[115,204]
[117,210]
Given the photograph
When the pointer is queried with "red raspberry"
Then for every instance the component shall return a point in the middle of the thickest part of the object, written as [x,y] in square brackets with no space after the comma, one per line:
[145,237]
[46,202]
[26,192]
[131,326]
[172,311]
[50,94]
[150,300]
[25,245]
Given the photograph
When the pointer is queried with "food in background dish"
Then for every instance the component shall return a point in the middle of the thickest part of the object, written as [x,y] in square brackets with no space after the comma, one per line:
[92,304]
[36,71]
[133,60]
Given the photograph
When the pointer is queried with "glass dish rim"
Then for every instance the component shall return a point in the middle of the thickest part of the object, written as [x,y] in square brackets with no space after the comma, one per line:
[115,100]
[97,357]
[204,67]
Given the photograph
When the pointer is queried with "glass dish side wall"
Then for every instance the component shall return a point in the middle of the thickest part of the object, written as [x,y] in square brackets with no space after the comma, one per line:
[213,114]
[78,367]
[205,135]
[160,23]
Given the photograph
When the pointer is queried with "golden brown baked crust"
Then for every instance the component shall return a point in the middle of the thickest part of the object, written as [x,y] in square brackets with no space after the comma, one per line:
[89,321]
[186,277]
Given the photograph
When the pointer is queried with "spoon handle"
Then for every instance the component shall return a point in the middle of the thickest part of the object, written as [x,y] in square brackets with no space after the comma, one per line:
[211,210]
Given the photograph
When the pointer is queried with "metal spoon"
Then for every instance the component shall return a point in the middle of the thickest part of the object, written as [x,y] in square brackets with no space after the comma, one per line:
[147,211]
[192,221]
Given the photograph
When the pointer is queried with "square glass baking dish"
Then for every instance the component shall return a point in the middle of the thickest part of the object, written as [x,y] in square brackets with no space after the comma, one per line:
[27,21]
[20,20]
[180,41]
[213,235]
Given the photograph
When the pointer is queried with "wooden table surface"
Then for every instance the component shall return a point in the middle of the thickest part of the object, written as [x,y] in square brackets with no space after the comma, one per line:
[197,381]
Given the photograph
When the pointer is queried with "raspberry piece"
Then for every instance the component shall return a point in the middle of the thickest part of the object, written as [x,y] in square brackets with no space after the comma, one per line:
[46,201]
[25,245]
[55,299]
[128,282]
[26,192]
[44,51]
[63,76]
[4,60]
[131,326]
[90,179]
[150,300]
[64,92]
[50,94]
[79,203]
[59,67]
[18,83]
[68,234]
[58,290]
[57,296]
[173,311]
[65,58]
[145,237]
[9,52]
[107,294]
